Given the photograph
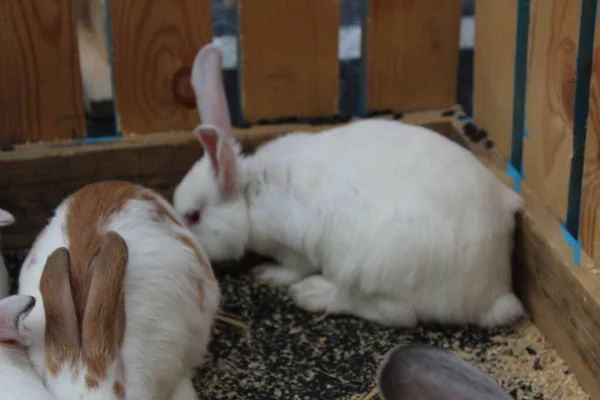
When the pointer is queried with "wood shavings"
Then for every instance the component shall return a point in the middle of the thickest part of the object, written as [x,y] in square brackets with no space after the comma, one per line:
[371,394]
[231,321]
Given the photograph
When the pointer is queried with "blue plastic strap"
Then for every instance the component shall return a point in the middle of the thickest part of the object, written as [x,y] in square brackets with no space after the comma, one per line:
[363,83]
[100,139]
[520,86]
[585,56]
[574,243]
[515,175]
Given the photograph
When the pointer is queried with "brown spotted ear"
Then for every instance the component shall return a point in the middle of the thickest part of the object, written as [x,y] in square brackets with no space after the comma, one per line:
[62,328]
[104,317]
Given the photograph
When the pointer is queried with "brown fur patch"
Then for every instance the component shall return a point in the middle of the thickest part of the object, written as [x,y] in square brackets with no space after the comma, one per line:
[89,210]
[104,319]
[119,390]
[62,330]
[163,212]
[200,285]
[189,242]
[91,383]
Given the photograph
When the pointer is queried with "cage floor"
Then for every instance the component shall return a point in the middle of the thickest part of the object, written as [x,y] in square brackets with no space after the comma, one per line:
[282,352]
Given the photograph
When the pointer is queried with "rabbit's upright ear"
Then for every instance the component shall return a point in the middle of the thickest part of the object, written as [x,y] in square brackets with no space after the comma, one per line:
[419,372]
[207,82]
[222,151]
[215,133]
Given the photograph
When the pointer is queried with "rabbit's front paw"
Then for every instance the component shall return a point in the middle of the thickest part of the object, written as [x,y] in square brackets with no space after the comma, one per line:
[276,274]
[315,293]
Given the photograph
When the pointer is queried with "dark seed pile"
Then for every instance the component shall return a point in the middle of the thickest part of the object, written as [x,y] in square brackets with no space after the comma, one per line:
[283,352]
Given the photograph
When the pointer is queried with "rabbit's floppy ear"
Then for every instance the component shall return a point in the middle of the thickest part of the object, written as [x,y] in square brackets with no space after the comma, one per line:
[419,372]
[13,310]
[62,326]
[6,218]
[207,82]
[103,327]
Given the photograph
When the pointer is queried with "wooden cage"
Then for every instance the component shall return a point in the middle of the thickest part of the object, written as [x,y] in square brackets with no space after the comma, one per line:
[536,96]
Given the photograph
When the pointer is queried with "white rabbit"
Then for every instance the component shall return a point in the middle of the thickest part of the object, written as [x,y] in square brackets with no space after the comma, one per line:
[419,372]
[6,219]
[18,380]
[126,299]
[383,220]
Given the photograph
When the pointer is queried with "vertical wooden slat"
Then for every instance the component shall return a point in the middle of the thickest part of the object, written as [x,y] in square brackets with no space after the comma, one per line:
[548,147]
[589,231]
[154,44]
[40,82]
[410,48]
[493,74]
[289,58]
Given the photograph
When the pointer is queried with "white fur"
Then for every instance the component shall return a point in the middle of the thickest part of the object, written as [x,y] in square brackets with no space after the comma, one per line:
[166,334]
[383,220]
[18,380]
[6,219]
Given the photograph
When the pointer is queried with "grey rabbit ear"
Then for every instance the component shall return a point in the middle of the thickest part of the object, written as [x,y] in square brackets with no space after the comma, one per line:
[419,372]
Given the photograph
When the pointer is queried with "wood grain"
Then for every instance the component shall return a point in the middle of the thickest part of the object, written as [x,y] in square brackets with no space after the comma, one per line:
[563,300]
[36,177]
[589,230]
[40,83]
[289,58]
[551,100]
[411,51]
[493,70]
[154,45]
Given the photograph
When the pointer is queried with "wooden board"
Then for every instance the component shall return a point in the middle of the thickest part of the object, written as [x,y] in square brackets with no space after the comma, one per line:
[410,51]
[589,231]
[493,70]
[36,177]
[289,58]
[551,100]
[40,83]
[154,46]
[562,299]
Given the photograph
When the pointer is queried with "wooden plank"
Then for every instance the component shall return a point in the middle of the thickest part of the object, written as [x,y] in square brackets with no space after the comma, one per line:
[36,177]
[40,83]
[411,51]
[550,100]
[589,231]
[289,58]
[562,299]
[493,71]
[154,45]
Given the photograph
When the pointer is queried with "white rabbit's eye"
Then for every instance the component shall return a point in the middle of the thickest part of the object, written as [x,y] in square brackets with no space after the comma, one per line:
[192,217]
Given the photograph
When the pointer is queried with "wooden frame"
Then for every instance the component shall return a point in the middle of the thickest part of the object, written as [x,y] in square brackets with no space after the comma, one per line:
[562,299]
